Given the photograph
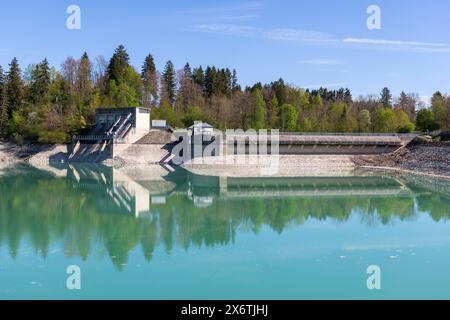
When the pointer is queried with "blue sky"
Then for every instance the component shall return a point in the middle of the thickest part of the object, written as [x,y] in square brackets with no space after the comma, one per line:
[308,43]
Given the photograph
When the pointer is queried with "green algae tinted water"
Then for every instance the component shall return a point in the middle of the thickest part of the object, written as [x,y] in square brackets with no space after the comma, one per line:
[159,233]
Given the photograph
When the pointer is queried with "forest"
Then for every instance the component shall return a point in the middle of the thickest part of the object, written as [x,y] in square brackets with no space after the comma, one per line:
[43,104]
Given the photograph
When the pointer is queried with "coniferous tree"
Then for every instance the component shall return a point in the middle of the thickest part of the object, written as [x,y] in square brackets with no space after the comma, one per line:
[14,88]
[124,86]
[386,98]
[199,77]
[3,104]
[234,82]
[118,65]
[228,82]
[348,99]
[150,81]
[84,76]
[169,86]
[187,71]
[279,89]
[209,81]
[84,89]
[40,83]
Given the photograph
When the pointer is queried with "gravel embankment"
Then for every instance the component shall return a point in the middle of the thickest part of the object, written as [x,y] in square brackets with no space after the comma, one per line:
[420,157]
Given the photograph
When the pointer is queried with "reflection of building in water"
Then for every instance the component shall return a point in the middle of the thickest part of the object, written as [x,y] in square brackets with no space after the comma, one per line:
[136,190]
[132,190]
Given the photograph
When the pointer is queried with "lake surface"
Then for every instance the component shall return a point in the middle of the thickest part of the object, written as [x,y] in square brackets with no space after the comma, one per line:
[160,233]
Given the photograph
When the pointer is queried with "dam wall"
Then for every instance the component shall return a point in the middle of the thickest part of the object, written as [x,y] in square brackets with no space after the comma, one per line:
[157,145]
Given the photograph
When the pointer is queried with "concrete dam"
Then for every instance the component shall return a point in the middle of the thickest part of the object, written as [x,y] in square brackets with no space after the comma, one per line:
[126,133]
[332,144]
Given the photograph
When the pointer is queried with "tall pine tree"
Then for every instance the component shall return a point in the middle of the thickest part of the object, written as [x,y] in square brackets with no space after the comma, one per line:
[386,98]
[40,83]
[234,82]
[83,82]
[3,104]
[14,88]
[150,81]
[124,88]
[118,65]
[169,85]
[199,77]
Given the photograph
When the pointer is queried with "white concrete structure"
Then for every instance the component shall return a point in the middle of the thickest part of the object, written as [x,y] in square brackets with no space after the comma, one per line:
[159,124]
[139,118]
[113,126]
[201,128]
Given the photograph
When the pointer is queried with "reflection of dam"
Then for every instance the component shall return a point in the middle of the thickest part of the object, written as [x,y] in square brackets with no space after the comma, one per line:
[136,190]
[232,187]
[315,187]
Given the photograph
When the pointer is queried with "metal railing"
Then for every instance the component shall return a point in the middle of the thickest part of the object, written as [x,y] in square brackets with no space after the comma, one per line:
[94,137]
[400,135]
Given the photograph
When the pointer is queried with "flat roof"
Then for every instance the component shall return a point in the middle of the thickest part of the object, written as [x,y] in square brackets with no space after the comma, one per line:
[202,125]
[119,109]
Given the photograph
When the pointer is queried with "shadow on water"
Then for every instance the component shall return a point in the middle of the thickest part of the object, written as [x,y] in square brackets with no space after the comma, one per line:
[83,206]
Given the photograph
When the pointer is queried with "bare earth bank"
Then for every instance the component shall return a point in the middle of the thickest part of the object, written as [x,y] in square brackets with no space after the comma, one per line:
[431,158]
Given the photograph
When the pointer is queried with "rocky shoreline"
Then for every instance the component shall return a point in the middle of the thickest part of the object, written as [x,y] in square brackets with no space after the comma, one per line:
[420,157]
[11,153]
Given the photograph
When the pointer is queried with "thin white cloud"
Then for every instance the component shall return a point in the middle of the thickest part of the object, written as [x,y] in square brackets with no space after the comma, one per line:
[323,62]
[393,42]
[228,29]
[298,35]
[400,45]
[307,36]
[294,35]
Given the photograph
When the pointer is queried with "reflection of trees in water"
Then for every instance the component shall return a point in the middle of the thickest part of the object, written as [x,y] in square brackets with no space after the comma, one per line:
[433,195]
[437,206]
[384,210]
[46,210]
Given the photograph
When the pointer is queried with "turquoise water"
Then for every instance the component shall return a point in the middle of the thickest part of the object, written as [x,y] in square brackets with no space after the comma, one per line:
[159,233]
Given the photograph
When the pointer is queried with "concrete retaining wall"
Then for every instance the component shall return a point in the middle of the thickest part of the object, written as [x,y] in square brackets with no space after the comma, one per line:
[142,153]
